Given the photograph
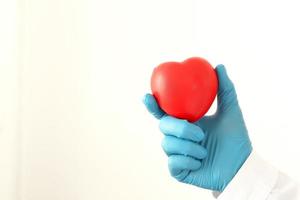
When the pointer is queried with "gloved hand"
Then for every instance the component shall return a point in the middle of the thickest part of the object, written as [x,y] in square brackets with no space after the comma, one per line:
[209,152]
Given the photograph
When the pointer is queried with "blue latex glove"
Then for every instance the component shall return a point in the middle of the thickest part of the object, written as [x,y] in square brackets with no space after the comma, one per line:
[209,152]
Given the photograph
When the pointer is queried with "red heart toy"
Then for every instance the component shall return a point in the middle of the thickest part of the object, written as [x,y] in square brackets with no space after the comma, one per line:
[185,90]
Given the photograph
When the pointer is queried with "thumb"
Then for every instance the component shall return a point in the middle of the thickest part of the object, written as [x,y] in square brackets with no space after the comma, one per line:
[152,106]
[226,93]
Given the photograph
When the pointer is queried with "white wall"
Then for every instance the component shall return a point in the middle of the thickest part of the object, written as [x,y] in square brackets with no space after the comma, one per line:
[53,99]
[9,106]
[84,67]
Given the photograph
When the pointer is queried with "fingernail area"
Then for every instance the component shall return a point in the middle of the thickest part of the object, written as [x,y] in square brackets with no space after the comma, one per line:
[145,98]
[220,67]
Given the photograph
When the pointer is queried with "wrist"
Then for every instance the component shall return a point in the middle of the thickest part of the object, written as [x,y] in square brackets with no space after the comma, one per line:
[255,177]
[240,157]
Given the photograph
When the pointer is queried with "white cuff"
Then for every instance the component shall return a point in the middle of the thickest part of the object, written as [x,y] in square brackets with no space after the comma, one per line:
[254,180]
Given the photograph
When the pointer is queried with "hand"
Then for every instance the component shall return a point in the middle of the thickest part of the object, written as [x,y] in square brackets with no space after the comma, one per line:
[209,152]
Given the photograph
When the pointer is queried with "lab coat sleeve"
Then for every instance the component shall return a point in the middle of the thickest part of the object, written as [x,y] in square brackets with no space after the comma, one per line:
[258,180]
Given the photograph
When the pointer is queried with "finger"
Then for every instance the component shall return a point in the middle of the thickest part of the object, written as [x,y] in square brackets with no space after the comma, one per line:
[152,106]
[181,129]
[226,92]
[175,146]
[178,163]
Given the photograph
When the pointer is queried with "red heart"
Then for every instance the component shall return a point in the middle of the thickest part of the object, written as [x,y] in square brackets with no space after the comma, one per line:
[185,90]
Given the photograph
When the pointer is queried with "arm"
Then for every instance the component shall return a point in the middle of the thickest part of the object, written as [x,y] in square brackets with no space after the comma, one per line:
[258,180]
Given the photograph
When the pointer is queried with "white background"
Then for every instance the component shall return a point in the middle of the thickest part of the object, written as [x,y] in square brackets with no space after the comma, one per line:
[73,74]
